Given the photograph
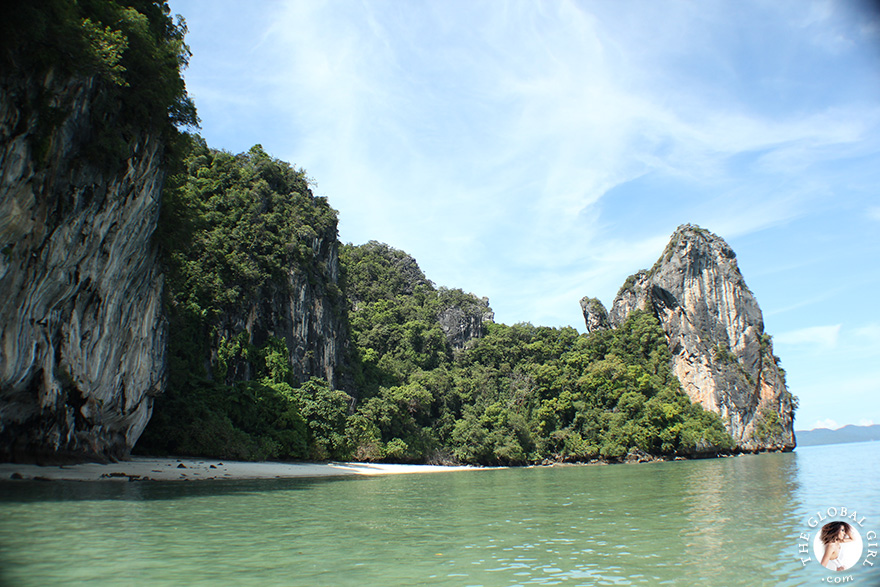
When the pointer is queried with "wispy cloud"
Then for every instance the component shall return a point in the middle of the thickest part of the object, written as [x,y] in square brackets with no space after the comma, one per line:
[492,140]
[820,336]
[502,130]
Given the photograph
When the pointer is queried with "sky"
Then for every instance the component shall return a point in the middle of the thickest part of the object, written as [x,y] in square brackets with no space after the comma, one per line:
[538,152]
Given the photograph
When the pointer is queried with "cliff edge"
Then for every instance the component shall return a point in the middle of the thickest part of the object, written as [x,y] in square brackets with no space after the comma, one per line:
[90,98]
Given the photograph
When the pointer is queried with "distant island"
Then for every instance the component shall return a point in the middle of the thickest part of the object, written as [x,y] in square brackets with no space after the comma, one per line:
[846,434]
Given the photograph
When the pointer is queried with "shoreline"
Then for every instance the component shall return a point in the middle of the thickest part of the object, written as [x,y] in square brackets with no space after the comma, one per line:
[196,469]
[142,468]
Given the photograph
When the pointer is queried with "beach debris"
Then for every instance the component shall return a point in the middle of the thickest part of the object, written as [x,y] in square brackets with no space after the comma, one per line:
[118,474]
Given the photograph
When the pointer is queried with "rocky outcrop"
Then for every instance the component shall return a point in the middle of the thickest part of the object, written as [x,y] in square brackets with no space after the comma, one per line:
[82,334]
[462,321]
[715,331]
[595,314]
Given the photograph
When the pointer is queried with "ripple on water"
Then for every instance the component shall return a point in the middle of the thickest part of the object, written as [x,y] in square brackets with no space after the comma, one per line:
[726,522]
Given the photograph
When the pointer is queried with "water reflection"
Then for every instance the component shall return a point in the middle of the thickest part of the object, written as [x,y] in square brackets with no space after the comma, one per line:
[44,491]
[742,516]
[707,519]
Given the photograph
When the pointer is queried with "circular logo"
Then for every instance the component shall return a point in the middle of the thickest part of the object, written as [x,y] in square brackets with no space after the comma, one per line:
[837,546]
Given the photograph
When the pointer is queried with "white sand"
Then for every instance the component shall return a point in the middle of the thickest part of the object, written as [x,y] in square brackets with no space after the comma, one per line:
[190,469]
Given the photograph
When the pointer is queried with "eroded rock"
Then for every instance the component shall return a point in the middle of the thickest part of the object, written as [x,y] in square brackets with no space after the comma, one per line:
[82,334]
[463,321]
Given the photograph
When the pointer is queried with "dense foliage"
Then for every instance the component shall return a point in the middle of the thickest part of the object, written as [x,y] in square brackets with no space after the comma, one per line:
[231,227]
[133,51]
[519,394]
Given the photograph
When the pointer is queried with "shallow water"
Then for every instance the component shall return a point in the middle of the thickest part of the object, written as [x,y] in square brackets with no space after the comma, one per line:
[723,522]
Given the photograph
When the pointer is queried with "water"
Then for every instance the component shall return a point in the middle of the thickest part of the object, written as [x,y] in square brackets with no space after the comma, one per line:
[719,522]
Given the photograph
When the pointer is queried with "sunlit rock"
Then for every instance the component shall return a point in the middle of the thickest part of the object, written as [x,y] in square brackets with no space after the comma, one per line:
[715,331]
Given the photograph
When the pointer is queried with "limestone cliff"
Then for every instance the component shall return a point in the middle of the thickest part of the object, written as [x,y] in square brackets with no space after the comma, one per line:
[715,331]
[302,312]
[462,319]
[82,337]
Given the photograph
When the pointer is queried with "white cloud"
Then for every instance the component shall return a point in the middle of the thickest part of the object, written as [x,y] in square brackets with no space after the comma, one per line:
[866,422]
[874,213]
[826,423]
[548,127]
[820,336]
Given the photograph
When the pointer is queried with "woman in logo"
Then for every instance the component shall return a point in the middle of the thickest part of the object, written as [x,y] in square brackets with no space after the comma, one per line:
[833,535]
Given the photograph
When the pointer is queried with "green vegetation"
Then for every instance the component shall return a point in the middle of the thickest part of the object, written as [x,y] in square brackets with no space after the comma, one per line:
[132,49]
[231,228]
[515,395]
[519,394]
[723,354]
[233,225]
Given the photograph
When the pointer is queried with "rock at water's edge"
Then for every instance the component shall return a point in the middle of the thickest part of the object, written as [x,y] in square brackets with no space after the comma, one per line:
[82,333]
[715,331]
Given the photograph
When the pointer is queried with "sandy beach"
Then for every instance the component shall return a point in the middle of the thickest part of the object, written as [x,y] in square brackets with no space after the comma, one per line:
[194,469]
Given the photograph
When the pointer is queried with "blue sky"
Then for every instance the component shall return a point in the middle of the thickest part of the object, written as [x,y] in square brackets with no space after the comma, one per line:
[538,152]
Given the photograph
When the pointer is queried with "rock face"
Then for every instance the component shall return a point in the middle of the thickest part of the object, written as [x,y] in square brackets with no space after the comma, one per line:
[595,314]
[82,334]
[463,321]
[304,315]
[715,331]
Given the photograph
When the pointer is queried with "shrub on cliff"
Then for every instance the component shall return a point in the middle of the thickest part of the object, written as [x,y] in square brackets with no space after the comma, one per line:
[132,48]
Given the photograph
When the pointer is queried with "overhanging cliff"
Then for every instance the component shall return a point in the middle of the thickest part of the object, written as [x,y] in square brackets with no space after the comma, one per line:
[82,344]
[90,97]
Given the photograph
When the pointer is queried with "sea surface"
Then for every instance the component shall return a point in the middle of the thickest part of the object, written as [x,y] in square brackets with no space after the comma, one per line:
[725,522]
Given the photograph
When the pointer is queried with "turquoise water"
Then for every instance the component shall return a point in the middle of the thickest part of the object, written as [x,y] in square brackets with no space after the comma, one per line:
[723,522]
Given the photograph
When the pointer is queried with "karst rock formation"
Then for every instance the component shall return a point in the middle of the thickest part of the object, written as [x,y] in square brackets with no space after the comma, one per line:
[82,333]
[715,331]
